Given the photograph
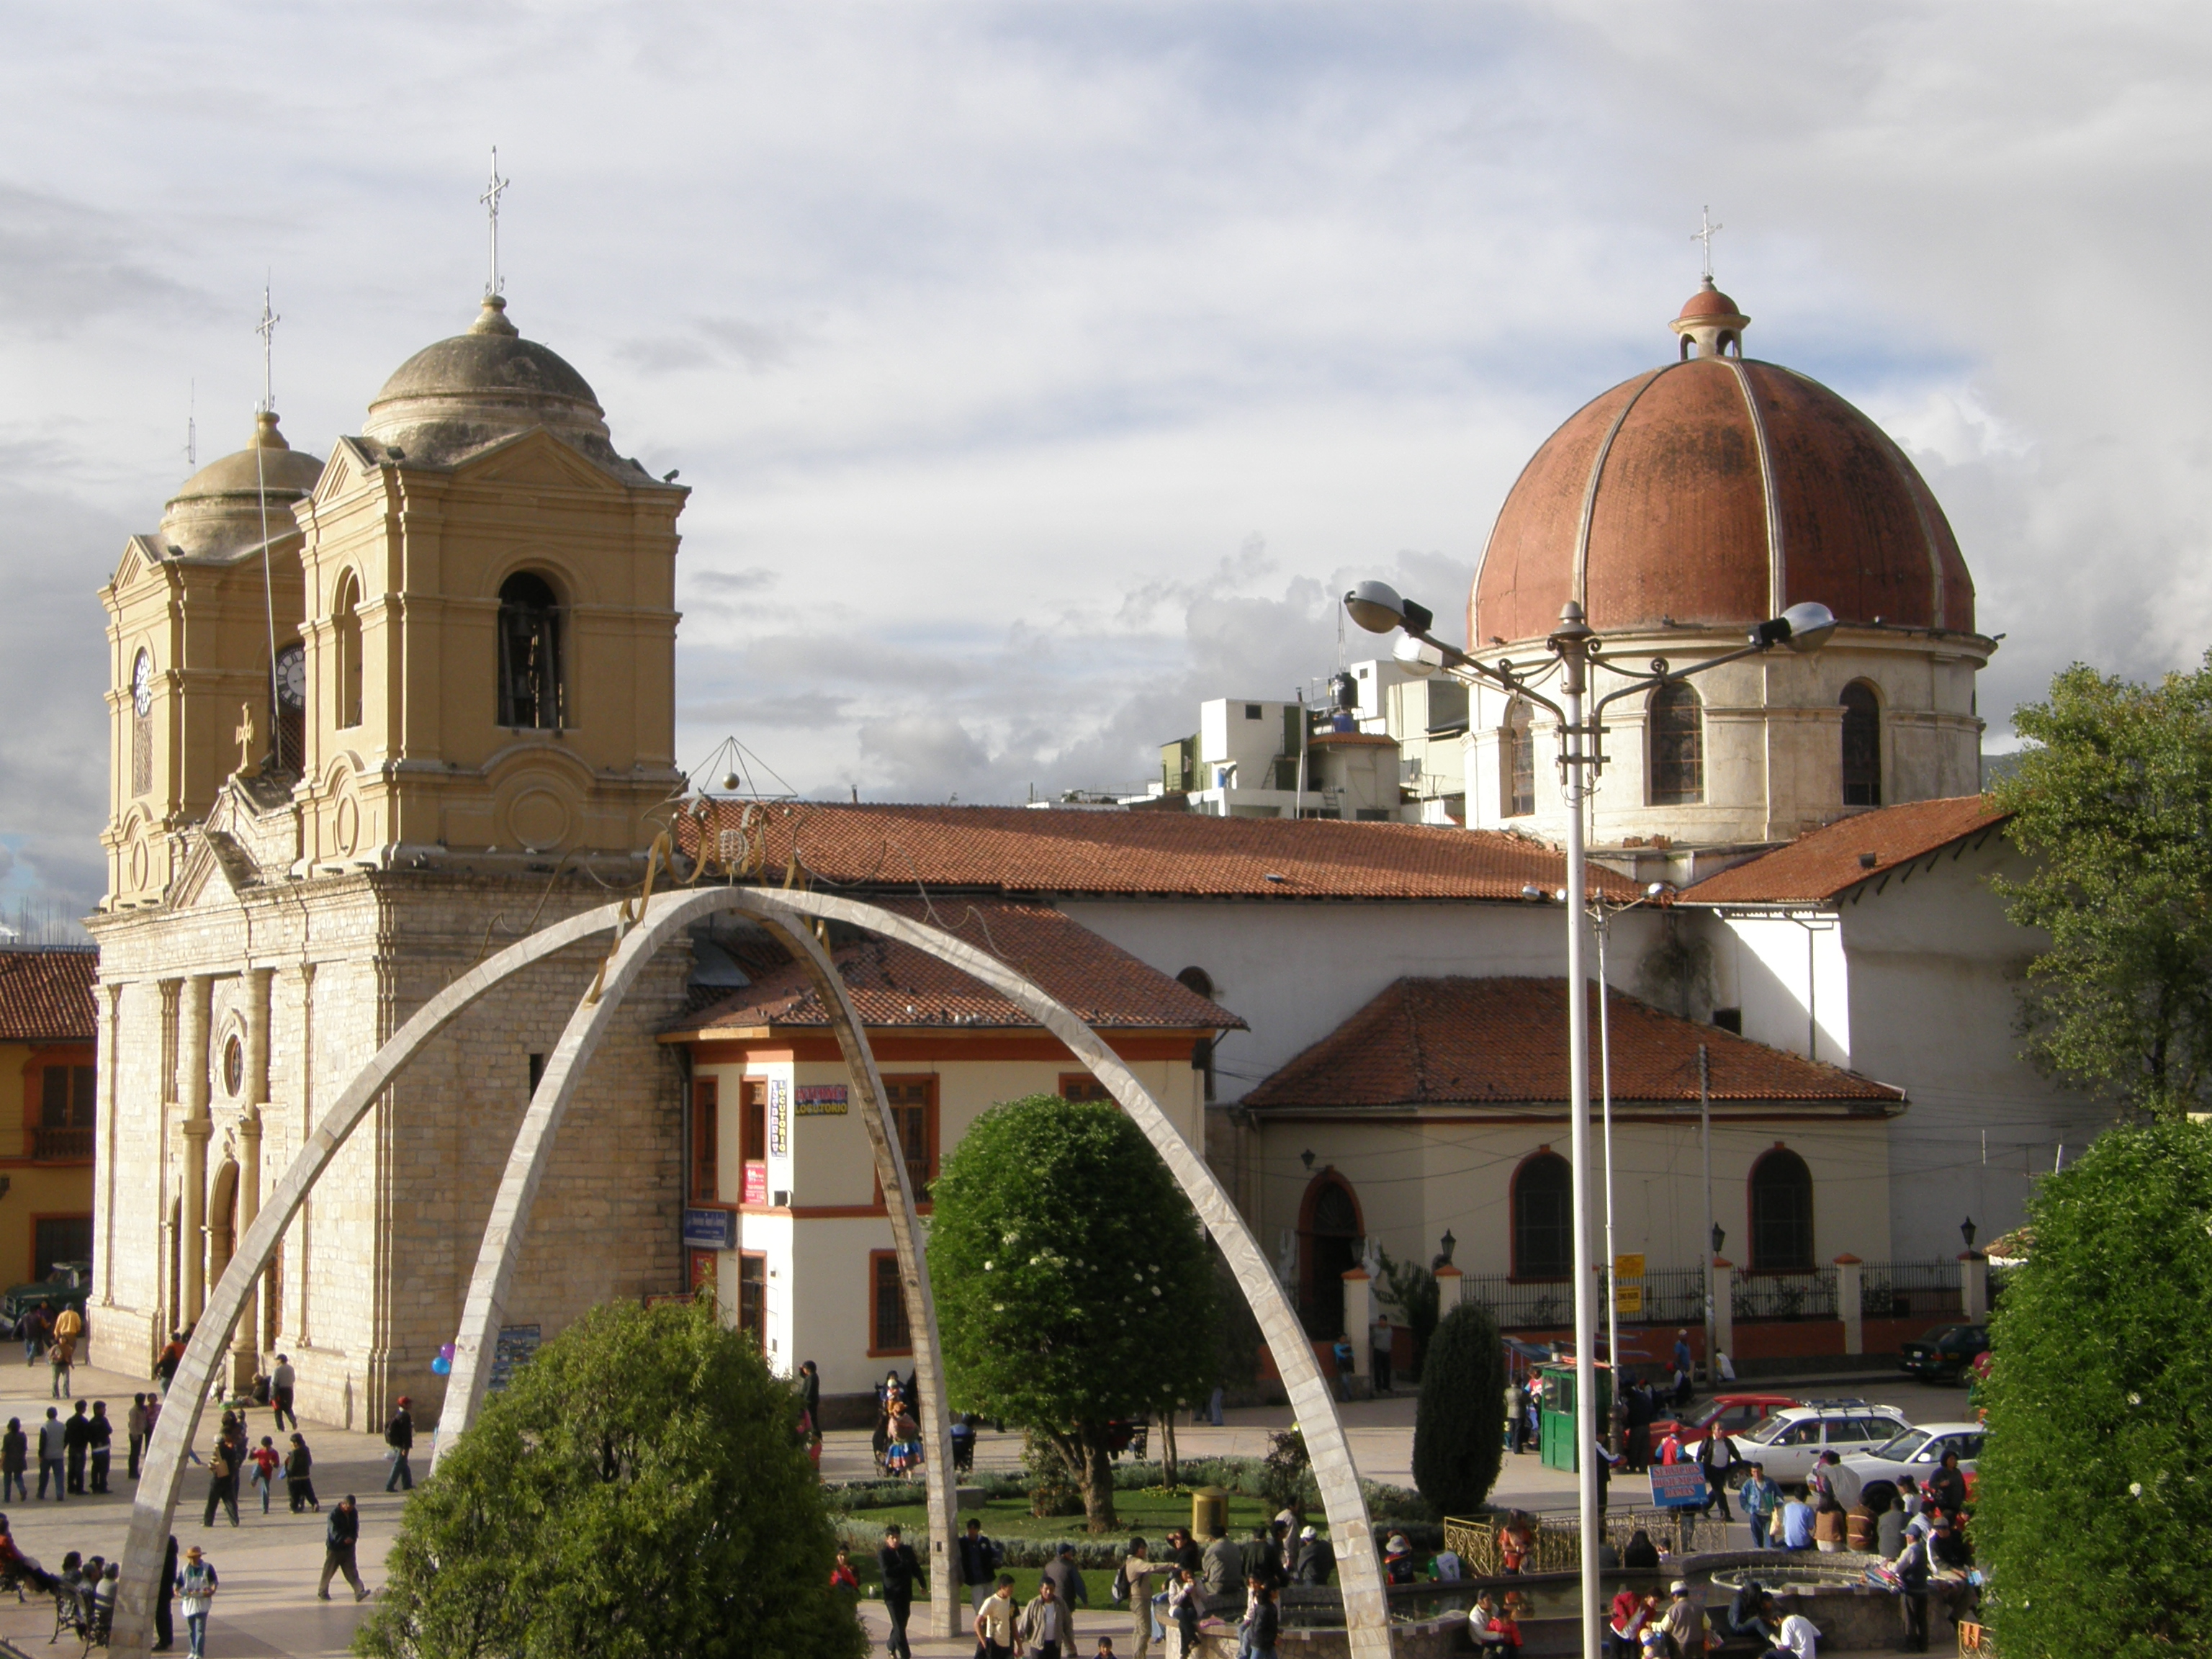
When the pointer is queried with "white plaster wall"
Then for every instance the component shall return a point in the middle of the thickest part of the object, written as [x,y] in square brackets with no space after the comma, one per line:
[1296,971]
[1789,976]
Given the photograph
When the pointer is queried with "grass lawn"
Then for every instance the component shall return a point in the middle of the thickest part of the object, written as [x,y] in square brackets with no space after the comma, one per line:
[1145,1515]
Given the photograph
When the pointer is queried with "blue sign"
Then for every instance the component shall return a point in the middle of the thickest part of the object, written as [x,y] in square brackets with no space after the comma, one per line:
[1678,1486]
[710,1230]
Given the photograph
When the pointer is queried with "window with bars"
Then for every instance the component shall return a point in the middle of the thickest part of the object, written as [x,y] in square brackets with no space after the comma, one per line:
[752,1297]
[1861,746]
[888,1332]
[1677,743]
[912,1101]
[1543,1224]
[1781,1213]
[1517,767]
[706,1141]
[1081,1085]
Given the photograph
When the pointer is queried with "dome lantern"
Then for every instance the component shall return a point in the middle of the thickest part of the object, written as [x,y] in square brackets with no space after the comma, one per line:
[1711,323]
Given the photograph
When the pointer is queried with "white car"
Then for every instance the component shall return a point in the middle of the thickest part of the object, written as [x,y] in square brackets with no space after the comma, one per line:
[1787,1442]
[1917,1452]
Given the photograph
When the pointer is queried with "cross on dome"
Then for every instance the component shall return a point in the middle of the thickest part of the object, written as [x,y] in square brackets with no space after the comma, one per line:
[1704,233]
[493,192]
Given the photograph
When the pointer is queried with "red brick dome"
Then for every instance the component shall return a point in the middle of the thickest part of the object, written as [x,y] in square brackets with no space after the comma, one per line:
[1714,492]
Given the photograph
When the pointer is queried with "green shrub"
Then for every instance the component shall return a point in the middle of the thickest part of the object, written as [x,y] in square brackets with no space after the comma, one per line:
[1458,1446]
[2093,1499]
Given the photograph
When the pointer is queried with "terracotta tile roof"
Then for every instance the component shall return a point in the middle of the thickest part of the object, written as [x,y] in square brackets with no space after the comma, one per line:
[1827,863]
[1503,1041]
[895,985]
[46,996]
[1018,852]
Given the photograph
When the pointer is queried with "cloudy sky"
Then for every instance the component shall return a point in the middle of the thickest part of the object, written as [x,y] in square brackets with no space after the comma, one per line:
[1040,369]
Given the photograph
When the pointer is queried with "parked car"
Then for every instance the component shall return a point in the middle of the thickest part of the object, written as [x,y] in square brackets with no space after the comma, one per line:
[1788,1442]
[66,1284]
[1942,1355]
[1736,1413]
[1917,1452]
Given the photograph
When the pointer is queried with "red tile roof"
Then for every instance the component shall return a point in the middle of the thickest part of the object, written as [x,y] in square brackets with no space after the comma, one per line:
[1019,852]
[1824,864]
[1503,1041]
[895,985]
[46,996]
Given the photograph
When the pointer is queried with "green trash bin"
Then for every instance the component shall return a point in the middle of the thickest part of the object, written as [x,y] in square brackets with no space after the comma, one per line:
[1558,1445]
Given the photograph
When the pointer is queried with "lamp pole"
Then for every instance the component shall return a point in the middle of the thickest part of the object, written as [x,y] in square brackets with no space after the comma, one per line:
[1379,608]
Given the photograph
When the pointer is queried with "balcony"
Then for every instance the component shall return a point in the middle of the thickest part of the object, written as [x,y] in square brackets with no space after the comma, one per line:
[60,1146]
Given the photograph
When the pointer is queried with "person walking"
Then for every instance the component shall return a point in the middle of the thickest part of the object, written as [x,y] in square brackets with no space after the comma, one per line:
[165,1629]
[1138,1570]
[265,1461]
[62,1355]
[1761,1498]
[53,1448]
[282,1382]
[172,1355]
[14,1459]
[35,1328]
[101,1446]
[341,1539]
[195,1587]
[399,1435]
[136,1426]
[1718,1458]
[1382,1343]
[1912,1575]
[1049,1625]
[222,1471]
[997,1616]
[979,1565]
[299,1477]
[900,1571]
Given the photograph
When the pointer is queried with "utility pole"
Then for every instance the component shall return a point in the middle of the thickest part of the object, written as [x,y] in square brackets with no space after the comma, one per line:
[1705,1245]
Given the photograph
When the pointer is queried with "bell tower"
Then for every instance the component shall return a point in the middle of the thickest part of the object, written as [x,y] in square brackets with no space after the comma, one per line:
[490,622]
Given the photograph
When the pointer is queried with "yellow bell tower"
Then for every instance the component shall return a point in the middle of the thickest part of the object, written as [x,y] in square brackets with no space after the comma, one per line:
[490,622]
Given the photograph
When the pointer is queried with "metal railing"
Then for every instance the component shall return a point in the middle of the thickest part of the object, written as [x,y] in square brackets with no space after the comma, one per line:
[1909,1290]
[60,1146]
[1557,1538]
[1522,1304]
[1759,1297]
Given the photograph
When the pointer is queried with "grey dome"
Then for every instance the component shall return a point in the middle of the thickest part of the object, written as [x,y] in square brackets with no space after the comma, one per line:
[452,399]
[217,512]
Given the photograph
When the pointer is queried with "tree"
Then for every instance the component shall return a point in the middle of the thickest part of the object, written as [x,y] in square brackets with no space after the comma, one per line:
[2093,1494]
[640,1490]
[1071,1280]
[2114,802]
[1457,1444]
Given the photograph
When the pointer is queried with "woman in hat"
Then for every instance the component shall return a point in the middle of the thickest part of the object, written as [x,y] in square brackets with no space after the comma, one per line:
[196,1588]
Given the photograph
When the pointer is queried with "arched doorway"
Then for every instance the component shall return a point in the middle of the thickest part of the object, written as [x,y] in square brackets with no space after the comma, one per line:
[1543,1217]
[1330,1237]
[221,1219]
[1781,1212]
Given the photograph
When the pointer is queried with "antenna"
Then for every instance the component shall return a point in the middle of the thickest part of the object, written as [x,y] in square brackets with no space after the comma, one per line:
[493,192]
[266,328]
[1704,233]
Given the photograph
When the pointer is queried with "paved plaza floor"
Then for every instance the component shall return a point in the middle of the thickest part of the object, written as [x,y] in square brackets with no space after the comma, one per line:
[270,1564]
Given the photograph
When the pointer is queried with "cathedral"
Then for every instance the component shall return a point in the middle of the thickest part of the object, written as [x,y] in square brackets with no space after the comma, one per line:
[374,718]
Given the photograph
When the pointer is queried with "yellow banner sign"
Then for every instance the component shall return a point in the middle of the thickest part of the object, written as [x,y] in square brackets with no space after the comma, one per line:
[1628,1298]
[1628,1266]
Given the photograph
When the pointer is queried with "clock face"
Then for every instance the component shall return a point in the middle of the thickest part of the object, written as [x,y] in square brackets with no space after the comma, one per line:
[142,684]
[292,677]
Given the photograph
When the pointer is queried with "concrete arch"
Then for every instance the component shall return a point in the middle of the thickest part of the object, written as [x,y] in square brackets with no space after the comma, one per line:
[1365,1605]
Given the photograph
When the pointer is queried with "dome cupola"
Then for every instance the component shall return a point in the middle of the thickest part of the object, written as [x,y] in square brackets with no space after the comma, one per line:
[216,513]
[454,398]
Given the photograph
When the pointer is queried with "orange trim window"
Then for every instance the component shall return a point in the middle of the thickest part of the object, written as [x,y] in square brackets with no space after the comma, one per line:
[913,1102]
[888,1331]
[706,1141]
[752,1297]
[1081,1085]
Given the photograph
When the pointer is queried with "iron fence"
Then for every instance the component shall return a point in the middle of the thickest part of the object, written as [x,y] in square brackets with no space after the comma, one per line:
[1761,1297]
[1522,1304]
[1909,1290]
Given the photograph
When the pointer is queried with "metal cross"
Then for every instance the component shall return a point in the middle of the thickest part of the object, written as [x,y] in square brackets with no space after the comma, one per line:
[1704,233]
[266,328]
[493,192]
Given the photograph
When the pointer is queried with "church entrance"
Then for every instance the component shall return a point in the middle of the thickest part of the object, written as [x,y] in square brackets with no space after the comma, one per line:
[1330,1234]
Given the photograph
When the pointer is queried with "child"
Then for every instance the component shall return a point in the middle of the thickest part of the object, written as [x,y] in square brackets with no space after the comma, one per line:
[842,1576]
[265,1462]
[1508,1624]
[299,1476]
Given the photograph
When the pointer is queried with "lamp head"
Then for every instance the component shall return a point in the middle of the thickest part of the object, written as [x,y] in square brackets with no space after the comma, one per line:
[1417,658]
[1377,607]
[1804,626]
[1655,890]
[1966,1231]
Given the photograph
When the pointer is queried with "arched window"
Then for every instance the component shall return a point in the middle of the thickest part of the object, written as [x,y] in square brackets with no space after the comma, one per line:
[1516,763]
[1677,744]
[1861,746]
[1543,1219]
[141,724]
[529,654]
[345,617]
[1330,1240]
[1781,1213]
[1197,980]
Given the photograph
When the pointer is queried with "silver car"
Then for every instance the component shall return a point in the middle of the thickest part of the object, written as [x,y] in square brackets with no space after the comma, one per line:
[1917,1452]
[1788,1442]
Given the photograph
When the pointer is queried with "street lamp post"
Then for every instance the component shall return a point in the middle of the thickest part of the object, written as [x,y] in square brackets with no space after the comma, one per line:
[1577,649]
